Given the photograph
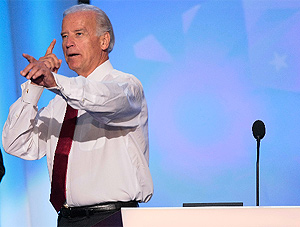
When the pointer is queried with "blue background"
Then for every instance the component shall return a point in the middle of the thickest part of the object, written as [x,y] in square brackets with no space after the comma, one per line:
[209,70]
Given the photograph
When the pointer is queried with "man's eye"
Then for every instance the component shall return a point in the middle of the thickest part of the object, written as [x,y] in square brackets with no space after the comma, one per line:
[64,36]
[79,33]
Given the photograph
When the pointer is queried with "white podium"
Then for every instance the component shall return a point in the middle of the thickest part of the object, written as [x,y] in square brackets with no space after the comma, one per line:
[212,216]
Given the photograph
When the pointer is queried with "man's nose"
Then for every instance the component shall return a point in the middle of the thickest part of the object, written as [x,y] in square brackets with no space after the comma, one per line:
[70,42]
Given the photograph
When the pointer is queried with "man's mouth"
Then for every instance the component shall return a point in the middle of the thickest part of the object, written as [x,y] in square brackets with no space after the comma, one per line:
[72,55]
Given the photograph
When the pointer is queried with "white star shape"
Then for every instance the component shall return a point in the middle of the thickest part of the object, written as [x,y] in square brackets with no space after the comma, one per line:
[279,61]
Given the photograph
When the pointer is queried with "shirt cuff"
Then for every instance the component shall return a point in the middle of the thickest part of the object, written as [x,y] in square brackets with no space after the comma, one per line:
[63,84]
[31,93]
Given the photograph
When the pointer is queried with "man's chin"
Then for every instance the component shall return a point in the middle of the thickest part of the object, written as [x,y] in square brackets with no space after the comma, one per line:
[73,67]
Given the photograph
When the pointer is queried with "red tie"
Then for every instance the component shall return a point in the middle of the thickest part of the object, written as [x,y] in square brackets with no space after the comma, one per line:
[59,172]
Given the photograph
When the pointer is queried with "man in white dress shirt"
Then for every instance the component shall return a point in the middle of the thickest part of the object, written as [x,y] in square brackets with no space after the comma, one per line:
[108,163]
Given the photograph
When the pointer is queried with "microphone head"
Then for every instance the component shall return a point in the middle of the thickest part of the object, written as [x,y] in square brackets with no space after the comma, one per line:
[258,129]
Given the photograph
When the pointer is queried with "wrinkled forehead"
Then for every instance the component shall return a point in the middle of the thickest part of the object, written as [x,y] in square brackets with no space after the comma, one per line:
[79,19]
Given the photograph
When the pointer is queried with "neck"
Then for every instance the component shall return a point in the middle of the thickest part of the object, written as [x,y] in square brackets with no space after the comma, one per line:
[104,59]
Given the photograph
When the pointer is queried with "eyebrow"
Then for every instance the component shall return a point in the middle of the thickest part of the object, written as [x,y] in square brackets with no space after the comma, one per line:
[80,30]
[77,30]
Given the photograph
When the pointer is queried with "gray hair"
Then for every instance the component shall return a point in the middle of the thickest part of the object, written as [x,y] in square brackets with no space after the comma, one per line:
[103,22]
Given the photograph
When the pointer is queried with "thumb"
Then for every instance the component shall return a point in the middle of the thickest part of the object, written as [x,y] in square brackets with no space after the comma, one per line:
[29,58]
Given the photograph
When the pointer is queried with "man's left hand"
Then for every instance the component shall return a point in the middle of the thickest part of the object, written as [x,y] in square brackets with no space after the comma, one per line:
[50,59]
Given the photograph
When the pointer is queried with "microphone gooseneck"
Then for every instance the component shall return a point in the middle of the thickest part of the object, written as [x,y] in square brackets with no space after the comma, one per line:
[259,131]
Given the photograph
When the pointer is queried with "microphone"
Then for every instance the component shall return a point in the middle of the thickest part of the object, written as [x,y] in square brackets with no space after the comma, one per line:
[259,131]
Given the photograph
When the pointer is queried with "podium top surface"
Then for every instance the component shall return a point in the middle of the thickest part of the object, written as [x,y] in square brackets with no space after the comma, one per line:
[212,216]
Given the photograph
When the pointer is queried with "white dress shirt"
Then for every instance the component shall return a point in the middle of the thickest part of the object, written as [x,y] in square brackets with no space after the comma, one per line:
[109,157]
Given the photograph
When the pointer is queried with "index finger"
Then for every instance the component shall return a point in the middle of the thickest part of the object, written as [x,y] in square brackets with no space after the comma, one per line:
[29,58]
[51,46]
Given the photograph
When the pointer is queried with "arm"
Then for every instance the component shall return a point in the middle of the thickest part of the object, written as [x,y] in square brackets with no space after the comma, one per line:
[114,101]
[25,130]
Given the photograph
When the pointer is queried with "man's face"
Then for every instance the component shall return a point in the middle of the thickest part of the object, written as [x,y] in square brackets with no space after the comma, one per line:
[81,46]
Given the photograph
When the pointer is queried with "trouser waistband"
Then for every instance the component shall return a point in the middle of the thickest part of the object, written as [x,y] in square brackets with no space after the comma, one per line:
[90,210]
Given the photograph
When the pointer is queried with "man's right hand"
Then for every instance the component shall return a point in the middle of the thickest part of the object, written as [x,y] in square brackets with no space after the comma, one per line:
[38,72]
[50,59]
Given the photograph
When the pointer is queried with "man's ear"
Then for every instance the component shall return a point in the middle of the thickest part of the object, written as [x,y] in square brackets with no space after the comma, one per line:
[104,41]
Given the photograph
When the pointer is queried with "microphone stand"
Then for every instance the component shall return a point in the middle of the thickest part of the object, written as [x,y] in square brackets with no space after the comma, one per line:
[257,172]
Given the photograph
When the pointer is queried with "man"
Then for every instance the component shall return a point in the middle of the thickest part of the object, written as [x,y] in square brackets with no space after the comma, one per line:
[2,169]
[108,153]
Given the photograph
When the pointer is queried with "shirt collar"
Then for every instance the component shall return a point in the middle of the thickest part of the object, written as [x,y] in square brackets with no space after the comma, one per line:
[101,71]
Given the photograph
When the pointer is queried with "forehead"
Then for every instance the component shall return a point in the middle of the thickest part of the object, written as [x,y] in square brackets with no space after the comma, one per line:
[79,20]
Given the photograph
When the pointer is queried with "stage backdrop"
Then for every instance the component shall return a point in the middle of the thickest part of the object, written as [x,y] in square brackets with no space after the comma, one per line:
[209,70]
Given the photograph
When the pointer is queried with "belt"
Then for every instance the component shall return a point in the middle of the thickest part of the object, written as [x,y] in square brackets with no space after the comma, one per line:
[81,211]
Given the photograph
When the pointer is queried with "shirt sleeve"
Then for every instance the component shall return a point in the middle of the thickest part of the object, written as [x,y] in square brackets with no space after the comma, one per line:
[24,132]
[115,101]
